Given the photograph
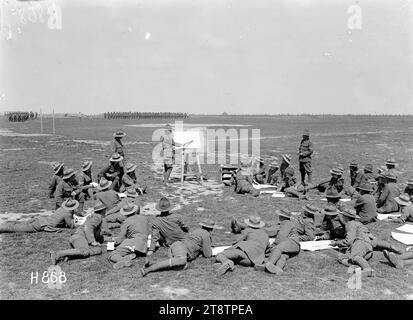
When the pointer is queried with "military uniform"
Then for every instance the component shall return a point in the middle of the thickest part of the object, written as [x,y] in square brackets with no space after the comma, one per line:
[130,180]
[196,242]
[260,174]
[409,191]
[407,214]
[133,237]
[114,217]
[84,182]
[363,177]
[64,191]
[168,154]
[243,183]
[305,150]
[169,229]
[116,146]
[365,206]
[386,202]
[109,198]
[332,229]
[248,250]
[112,172]
[361,243]
[353,176]
[60,218]
[289,182]
[81,240]
[54,182]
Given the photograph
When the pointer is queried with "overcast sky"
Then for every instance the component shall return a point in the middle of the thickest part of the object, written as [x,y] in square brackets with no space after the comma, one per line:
[199,56]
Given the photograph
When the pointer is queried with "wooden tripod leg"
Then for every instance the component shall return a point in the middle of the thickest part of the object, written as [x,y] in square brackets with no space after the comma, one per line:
[182,167]
[199,168]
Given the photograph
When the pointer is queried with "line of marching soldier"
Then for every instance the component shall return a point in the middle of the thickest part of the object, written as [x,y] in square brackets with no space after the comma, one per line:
[21,116]
[145,115]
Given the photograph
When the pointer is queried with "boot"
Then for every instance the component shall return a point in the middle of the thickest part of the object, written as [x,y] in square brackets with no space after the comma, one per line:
[384,245]
[366,269]
[226,266]
[393,259]
[271,268]
[259,267]
[274,257]
[282,261]
[122,264]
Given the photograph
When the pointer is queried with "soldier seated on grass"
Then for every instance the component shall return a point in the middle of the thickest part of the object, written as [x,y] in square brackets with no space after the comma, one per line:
[87,239]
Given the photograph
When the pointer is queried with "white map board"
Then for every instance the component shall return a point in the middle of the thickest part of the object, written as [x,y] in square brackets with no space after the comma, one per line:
[186,136]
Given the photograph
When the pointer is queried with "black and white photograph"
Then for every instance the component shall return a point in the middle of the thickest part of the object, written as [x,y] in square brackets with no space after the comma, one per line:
[207,151]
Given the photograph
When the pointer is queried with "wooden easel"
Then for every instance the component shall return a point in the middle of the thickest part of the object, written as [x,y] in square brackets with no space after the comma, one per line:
[190,174]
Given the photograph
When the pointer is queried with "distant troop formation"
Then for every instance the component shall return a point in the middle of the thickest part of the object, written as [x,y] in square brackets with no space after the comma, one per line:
[145,115]
[21,116]
[265,246]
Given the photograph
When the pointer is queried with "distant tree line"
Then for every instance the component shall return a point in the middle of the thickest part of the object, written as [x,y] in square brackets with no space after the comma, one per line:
[18,116]
[145,115]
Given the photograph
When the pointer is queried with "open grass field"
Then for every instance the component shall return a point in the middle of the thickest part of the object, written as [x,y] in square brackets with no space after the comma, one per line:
[25,172]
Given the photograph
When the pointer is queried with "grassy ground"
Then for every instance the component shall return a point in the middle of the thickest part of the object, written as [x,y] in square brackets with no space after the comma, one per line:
[25,172]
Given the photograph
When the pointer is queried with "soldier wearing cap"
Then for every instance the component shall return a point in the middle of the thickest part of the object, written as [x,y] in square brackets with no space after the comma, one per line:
[391,167]
[365,204]
[288,180]
[332,227]
[113,171]
[406,209]
[244,179]
[129,179]
[365,176]
[333,198]
[360,243]
[116,145]
[287,241]
[106,195]
[61,218]
[133,238]
[336,181]
[386,202]
[305,151]
[113,217]
[87,239]
[58,169]
[84,179]
[353,172]
[169,226]
[409,189]
[168,152]
[248,250]
[180,252]
[69,188]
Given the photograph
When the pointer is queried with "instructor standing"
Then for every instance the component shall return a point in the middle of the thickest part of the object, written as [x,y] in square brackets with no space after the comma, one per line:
[305,151]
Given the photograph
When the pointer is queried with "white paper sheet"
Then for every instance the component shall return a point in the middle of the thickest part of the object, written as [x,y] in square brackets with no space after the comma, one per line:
[405,238]
[406,228]
[316,245]
[110,246]
[263,186]
[381,216]
[278,195]
[305,245]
